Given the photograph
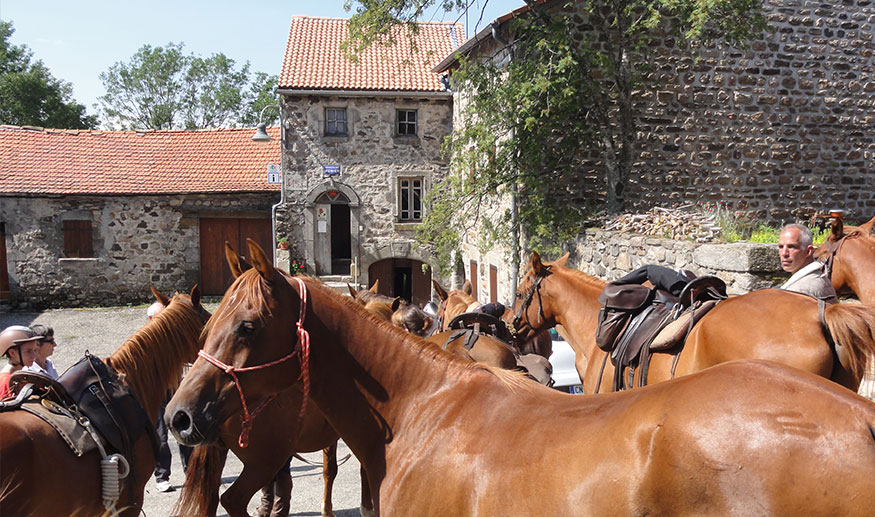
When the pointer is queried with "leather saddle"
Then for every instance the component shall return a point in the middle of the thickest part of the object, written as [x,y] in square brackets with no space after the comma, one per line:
[92,389]
[636,320]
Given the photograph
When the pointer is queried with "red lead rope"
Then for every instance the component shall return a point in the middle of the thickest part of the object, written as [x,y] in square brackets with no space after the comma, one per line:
[304,355]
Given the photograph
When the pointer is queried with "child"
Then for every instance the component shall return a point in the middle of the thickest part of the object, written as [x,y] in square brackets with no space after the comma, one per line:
[42,364]
[19,345]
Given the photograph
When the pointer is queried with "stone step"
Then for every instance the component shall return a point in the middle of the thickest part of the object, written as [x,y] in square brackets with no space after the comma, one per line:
[338,282]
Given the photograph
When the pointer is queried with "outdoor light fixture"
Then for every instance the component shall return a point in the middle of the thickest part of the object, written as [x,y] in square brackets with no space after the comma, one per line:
[261,129]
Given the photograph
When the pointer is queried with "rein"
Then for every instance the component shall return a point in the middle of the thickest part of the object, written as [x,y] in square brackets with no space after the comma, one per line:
[524,307]
[828,264]
[304,357]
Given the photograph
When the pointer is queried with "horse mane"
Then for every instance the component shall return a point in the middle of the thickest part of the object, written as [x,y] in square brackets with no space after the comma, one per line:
[380,309]
[153,358]
[580,275]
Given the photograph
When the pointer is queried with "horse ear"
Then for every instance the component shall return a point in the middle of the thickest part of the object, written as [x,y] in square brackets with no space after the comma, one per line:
[233,260]
[161,297]
[440,290]
[838,228]
[195,295]
[537,266]
[396,303]
[563,259]
[376,287]
[467,288]
[351,291]
[259,260]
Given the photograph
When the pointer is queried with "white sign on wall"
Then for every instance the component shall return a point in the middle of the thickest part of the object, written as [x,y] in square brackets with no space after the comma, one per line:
[274,176]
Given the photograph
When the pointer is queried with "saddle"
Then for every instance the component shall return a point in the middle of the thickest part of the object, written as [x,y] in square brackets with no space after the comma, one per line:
[636,320]
[473,324]
[92,390]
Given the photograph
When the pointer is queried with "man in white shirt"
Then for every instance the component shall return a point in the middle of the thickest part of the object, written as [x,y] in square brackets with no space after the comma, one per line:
[797,258]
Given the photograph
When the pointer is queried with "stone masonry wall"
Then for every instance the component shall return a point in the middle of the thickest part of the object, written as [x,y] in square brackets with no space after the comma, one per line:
[781,130]
[138,242]
[371,159]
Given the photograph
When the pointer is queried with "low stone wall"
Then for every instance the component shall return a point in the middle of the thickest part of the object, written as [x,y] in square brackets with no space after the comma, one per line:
[744,266]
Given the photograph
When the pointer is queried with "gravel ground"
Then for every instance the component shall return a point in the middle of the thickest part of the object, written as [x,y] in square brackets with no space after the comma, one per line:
[102,330]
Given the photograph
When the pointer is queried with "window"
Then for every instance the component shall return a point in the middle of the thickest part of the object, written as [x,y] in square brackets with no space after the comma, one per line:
[335,122]
[406,124]
[77,239]
[410,198]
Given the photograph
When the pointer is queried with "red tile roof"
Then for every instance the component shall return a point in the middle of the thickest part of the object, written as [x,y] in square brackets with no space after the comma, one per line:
[314,60]
[59,161]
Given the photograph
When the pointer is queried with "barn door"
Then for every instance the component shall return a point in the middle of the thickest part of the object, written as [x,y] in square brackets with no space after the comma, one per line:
[215,275]
[402,277]
[4,272]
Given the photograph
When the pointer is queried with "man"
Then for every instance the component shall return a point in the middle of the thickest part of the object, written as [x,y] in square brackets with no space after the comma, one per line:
[797,258]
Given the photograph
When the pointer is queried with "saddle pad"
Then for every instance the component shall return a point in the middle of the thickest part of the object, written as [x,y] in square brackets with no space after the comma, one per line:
[674,332]
[76,437]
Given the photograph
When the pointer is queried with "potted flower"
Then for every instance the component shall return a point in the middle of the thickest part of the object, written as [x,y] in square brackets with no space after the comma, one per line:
[282,243]
[296,267]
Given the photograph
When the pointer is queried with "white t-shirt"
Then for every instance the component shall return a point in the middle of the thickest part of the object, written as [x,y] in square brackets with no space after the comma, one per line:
[48,371]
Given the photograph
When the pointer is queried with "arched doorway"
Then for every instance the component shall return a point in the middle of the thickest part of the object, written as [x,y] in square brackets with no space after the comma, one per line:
[402,277]
[333,241]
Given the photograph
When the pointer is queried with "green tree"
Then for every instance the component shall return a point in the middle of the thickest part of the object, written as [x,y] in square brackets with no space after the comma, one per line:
[567,89]
[262,93]
[30,95]
[164,88]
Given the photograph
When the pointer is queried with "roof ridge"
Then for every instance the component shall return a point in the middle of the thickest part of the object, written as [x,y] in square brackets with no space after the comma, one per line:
[334,18]
[74,131]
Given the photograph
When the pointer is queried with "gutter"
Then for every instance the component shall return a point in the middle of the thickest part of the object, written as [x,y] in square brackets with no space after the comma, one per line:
[368,93]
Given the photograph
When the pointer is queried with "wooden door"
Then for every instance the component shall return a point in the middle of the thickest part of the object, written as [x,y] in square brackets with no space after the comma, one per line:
[493,284]
[402,277]
[473,279]
[215,276]
[4,272]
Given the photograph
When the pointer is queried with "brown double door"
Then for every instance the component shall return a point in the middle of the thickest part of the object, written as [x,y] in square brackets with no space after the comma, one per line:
[215,275]
[402,277]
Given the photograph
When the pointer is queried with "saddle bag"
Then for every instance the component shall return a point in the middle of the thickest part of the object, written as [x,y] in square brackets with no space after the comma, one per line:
[619,303]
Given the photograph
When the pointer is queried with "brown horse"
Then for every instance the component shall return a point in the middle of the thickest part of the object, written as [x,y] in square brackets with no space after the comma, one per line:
[766,324]
[441,436]
[275,436]
[850,256]
[40,475]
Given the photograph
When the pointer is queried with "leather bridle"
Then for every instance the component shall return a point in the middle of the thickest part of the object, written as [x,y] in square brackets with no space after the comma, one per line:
[527,301]
[833,251]
[304,357]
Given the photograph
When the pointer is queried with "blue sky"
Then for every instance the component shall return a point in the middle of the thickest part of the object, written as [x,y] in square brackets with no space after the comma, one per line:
[79,40]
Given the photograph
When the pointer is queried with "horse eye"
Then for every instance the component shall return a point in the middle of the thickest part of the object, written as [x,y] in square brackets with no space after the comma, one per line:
[519,296]
[246,328]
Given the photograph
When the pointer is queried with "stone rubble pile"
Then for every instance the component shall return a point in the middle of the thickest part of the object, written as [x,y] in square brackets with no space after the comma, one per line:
[681,223]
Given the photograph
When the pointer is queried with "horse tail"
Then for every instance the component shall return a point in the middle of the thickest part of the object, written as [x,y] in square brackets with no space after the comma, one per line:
[203,477]
[852,327]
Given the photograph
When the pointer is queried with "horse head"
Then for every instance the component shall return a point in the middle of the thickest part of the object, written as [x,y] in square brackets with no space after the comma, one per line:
[454,302]
[245,346]
[530,317]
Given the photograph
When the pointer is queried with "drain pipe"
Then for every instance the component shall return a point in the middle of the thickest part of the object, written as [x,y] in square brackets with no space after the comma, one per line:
[282,187]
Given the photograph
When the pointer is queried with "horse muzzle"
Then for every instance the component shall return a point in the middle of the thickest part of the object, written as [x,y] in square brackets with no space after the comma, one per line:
[189,428]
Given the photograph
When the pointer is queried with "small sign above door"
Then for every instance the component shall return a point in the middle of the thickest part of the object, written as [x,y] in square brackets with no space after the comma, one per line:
[331,170]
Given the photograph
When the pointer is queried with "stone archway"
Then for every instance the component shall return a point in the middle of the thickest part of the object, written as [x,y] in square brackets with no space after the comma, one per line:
[331,228]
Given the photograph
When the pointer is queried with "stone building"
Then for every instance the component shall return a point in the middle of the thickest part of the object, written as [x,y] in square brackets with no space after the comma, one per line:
[780,131]
[361,147]
[97,217]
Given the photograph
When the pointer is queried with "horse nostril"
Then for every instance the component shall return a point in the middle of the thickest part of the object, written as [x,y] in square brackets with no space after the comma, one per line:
[181,422]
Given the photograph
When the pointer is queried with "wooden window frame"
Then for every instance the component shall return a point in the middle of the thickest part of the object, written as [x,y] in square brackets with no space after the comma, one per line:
[403,125]
[412,194]
[329,120]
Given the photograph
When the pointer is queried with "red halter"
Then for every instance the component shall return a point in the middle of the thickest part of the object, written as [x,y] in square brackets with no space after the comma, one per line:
[303,353]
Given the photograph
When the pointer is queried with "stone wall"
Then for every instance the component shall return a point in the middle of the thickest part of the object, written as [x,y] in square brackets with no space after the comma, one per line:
[138,242]
[371,159]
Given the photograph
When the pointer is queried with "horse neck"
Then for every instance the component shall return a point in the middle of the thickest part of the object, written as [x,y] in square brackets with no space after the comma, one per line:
[574,302]
[153,358]
[366,377]
[858,263]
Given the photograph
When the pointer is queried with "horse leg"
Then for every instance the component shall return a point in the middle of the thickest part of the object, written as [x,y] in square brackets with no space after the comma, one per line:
[251,479]
[367,506]
[329,472]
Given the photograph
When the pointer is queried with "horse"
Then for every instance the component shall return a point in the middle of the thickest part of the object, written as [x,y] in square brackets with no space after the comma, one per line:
[849,254]
[42,476]
[439,435]
[767,324]
[274,437]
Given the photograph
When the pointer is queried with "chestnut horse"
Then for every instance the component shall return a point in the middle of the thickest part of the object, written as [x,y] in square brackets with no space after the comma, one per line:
[767,324]
[849,253]
[275,436]
[442,436]
[40,475]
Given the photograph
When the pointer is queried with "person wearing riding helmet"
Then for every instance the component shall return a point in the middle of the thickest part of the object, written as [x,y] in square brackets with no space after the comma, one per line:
[19,345]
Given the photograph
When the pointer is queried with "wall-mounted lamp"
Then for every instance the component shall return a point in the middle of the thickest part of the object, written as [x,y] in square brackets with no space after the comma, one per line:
[261,129]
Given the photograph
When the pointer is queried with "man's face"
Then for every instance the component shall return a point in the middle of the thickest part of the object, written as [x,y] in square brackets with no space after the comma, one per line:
[793,256]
